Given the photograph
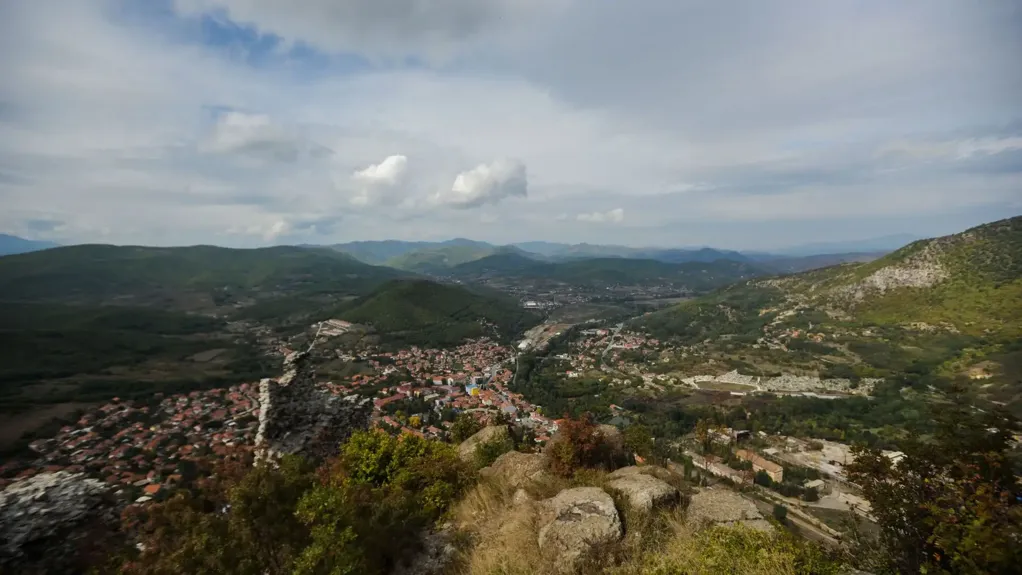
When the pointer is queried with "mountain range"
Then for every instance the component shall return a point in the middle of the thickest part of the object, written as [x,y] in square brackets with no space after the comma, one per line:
[437,257]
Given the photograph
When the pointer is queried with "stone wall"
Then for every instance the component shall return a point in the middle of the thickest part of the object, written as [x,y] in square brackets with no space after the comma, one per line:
[295,417]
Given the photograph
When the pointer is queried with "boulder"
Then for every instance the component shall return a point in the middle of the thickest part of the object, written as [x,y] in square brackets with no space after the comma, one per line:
[644,492]
[576,520]
[725,507]
[654,470]
[467,449]
[46,518]
[517,469]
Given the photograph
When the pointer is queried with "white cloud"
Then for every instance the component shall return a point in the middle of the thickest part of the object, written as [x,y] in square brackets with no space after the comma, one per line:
[610,216]
[136,129]
[379,179]
[257,136]
[487,184]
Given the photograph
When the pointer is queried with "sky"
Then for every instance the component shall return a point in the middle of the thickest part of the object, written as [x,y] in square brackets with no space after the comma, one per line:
[739,124]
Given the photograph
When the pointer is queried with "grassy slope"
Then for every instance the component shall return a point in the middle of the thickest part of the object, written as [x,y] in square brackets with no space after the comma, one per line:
[979,304]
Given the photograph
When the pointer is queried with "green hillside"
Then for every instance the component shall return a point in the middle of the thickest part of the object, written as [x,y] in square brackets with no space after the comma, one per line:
[949,307]
[698,276]
[422,312]
[185,277]
[85,323]
[438,259]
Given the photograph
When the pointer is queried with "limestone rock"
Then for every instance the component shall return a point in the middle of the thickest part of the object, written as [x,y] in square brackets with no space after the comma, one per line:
[43,519]
[577,520]
[653,470]
[644,492]
[517,469]
[723,506]
[467,449]
[520,497]
[297,418]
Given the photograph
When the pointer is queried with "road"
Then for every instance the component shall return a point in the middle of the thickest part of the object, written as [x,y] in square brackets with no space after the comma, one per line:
[613,336]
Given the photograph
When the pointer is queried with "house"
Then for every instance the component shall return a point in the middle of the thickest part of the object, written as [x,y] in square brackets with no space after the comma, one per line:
[775,471]
[818,484]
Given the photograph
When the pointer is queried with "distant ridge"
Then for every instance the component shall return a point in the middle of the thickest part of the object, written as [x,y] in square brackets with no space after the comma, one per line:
[10,245]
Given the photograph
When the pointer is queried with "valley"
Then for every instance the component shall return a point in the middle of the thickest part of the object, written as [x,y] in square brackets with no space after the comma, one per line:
[739,382]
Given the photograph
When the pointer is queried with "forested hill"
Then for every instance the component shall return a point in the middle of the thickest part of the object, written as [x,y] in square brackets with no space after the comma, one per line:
[699,276]
[187,276]
[427,313]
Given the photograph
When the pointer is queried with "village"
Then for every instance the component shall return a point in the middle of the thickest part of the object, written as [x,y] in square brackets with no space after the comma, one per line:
[151,447]
[633,359]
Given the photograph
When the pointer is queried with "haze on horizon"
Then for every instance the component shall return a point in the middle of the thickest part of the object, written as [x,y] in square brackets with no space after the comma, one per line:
[736,124]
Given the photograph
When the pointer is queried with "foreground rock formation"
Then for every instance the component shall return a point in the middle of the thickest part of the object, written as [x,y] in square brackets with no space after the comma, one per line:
[297,418]
[576,520]
[44,520]
[643,491]
[725,507]
[517,469]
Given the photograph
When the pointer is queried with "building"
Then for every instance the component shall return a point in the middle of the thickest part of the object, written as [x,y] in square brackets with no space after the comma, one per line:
[818,484]
[775,471]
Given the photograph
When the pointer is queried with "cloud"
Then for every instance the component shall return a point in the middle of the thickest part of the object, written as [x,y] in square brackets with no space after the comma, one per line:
[377,179]
[384,28]
[168,127]
[610,216]
[487,184]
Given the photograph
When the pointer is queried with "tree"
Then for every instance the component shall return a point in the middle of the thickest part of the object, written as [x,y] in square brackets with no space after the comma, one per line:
[639,439]
[415,421]
[951,504]
[763,478]
[811,494]
[781,514]
[578,444]
[292,519]
[702,432]
[189,534]
[464,426]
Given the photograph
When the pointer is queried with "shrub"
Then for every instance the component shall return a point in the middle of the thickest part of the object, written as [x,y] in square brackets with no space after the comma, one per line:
[464,426]
[736,549]
[579,444]
[361,512]
[487,453]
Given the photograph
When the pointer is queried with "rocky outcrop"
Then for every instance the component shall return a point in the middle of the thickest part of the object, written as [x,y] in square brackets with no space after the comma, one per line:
[517,469]
[643,491]
[724,507]
[467,449]
[297,418]
[44,518]
[576,520]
